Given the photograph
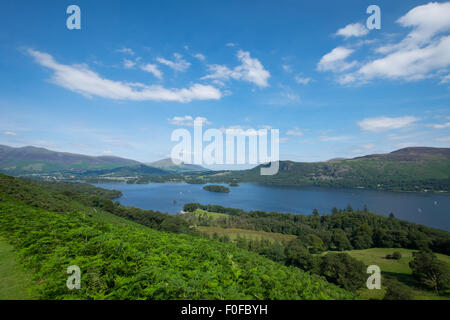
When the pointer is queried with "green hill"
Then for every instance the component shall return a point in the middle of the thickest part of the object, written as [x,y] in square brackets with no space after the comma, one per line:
[409,169]
[140,170]
[169,165]
[33,160]
[119,259]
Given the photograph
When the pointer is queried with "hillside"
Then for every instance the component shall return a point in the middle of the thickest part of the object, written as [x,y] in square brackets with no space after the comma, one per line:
[409,169]
[140,170]
[395,269]
[168,165]
[28,160]
[122,260]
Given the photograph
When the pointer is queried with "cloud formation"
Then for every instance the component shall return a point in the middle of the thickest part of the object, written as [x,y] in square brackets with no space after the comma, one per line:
[179,64]
[294,132]
[250,70]
[128,64]
[302,80]
[379,124]
[353,30]
[200,56]
[440,126]
[80,79]
[335,60]
[187,121]
[419,55]
[126,51]
[153,69]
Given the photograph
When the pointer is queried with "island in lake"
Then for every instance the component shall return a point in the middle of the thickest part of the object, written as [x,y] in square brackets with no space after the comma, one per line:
[216,188]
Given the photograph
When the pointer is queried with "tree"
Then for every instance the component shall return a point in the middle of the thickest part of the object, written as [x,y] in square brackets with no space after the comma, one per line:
[343,270]
[362,237]
[428,270]
[341,241]
[298,255]
[316,244]
[397,290]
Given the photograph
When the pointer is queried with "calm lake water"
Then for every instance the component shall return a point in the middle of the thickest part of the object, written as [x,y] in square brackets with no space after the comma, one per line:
[429,209]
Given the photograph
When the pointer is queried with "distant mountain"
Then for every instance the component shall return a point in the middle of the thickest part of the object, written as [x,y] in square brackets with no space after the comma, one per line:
[140,170]
[409,169]
[168,165]
[27,160]
[412,154]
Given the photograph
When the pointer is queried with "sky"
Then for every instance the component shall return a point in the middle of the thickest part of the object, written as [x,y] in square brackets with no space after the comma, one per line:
[138,70]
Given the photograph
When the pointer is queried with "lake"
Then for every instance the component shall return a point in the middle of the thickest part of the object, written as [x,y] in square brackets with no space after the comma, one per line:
[425,208]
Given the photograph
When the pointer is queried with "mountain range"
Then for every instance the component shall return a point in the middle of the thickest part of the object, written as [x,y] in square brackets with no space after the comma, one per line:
[35,160]
[408,169]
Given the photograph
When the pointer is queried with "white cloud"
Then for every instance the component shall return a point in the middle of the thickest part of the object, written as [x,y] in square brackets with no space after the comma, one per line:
[200,56]
[294,132]
[426,21]
[440,126]
[10,133]
[302,80]
[386,123]
[126,50]
[419,54]
[353,30]
[128,64]
[179,64]
[335,60]
[250,70]
[153,69]
[445,79]
[287,68]
[187,121]
[80,79]
[230,44]
[409,64]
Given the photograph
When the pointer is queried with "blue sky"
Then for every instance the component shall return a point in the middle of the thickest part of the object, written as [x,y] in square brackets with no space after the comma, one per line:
[137,70]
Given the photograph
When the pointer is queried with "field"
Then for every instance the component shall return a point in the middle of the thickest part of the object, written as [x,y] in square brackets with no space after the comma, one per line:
[233,233]
[213,215]
[396,269]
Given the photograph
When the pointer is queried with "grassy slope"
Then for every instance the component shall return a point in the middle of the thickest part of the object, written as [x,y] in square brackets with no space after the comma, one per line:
[15,282]
[233,233]
[122,260]
[397,269]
